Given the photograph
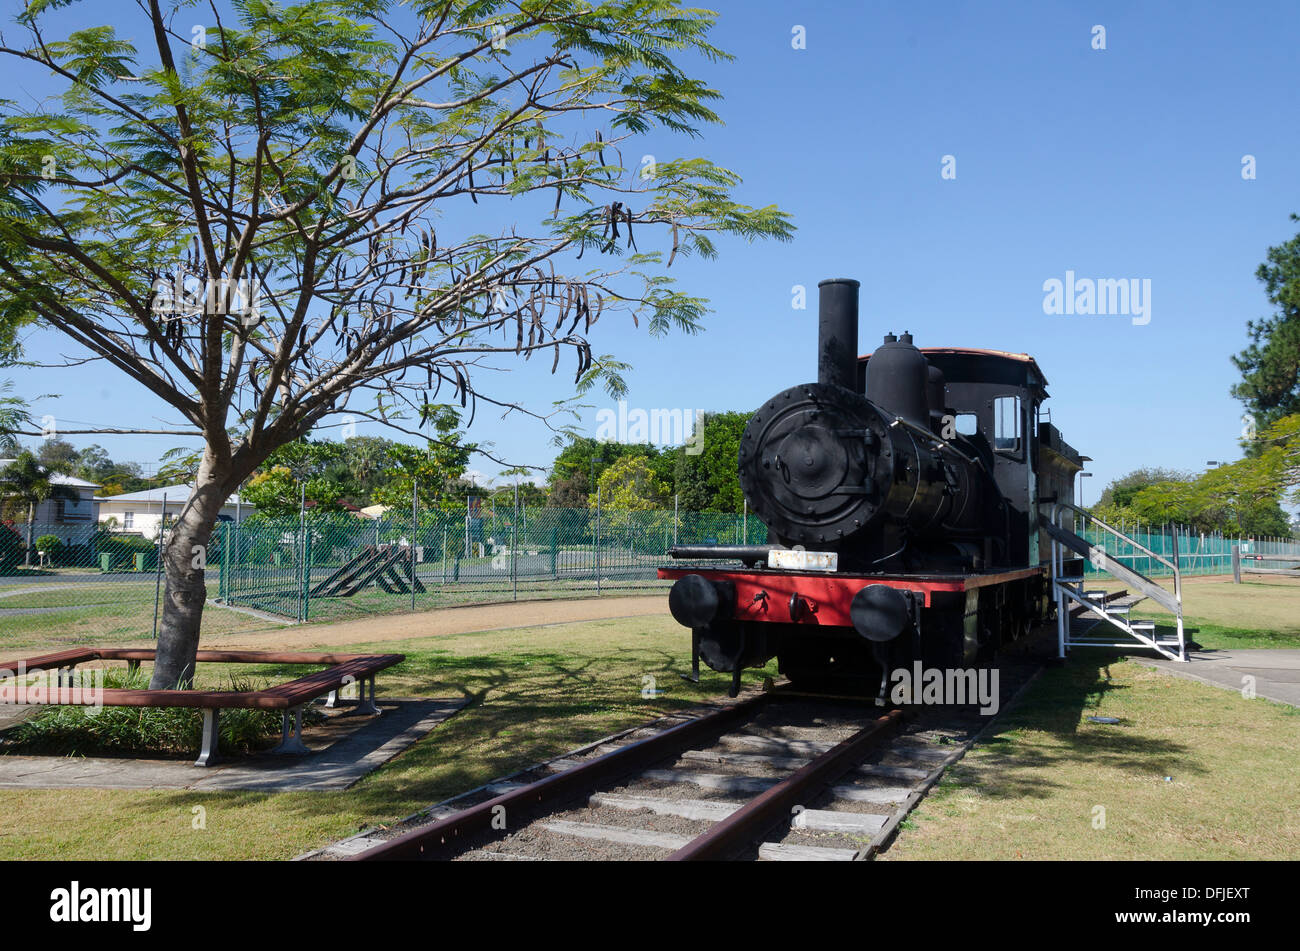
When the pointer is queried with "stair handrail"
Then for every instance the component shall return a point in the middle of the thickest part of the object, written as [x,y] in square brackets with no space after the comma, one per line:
[1089,517]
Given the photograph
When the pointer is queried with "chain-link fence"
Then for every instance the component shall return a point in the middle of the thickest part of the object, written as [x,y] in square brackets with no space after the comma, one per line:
[1198,553]
[82,583]
[91,584]
[330,567]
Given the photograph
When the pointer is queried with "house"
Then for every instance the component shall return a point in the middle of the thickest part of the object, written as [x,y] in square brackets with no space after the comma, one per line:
[139,513]
[72,520]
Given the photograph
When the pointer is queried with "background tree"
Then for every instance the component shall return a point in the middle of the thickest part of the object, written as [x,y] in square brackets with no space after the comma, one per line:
[434,472]
[296,472]
[630,485]
[1270,366]
[710,479]
[577,469]
[58,455]
[15,416]
[255,227]
[25,484]
[1118,495]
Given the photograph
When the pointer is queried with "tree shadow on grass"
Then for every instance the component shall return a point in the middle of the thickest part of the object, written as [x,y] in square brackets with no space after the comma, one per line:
[1058,704]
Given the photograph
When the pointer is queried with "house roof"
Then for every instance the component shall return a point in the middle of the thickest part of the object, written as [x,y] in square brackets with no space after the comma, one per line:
[58,478]
[174,493]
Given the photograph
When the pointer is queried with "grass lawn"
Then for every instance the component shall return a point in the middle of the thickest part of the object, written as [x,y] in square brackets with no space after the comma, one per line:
[125,620]
[1032,788]
[537,692]
[1029,791]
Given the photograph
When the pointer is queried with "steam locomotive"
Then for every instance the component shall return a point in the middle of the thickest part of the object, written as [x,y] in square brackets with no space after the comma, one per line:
[901,495]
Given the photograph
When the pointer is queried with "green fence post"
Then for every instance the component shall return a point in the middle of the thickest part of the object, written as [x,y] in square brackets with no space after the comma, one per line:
[306,574]
[555,552]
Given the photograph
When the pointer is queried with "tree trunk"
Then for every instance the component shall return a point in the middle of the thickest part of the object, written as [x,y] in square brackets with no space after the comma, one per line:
[184,558]
[31,517]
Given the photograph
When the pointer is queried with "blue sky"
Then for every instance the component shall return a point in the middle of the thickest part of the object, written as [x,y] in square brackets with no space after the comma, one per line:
[1117,163]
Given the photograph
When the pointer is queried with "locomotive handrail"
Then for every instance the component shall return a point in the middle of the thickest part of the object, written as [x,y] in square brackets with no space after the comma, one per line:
[1089,517]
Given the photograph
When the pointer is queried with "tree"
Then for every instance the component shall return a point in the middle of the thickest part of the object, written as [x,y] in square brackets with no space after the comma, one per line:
[1270,366]
[707,468]
[580,464]
[295,472]
[24,482]
[268,220]
[1240,498]
[1118,496]
[14,417]
[434,472]
[629,485]
[58,455]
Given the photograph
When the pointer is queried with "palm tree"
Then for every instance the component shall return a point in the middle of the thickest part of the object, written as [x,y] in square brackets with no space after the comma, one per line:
[26,480]
[13,417]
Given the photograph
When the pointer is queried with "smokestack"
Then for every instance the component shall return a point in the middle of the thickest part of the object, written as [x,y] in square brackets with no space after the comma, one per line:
[837,332]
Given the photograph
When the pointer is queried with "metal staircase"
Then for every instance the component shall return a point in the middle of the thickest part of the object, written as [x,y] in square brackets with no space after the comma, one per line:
[1068,589]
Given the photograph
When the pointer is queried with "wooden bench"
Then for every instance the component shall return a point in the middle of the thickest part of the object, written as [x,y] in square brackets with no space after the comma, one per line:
[289,697]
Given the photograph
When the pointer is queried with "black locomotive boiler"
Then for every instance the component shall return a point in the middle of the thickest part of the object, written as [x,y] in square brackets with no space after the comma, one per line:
[901,495]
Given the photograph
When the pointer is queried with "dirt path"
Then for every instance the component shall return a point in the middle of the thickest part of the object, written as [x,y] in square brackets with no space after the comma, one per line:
[483,617]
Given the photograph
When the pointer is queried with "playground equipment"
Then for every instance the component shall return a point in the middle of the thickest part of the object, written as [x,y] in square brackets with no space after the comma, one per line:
[388,566]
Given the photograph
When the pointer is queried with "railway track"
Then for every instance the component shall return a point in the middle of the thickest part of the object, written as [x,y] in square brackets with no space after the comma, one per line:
[775,776]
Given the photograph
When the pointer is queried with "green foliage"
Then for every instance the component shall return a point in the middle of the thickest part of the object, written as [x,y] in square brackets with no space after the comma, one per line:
[83,731]
[434,471]
[578,468]
[14,416]
[48,544]
[1241,498]
[709,480]
[630,485]
[1270,365]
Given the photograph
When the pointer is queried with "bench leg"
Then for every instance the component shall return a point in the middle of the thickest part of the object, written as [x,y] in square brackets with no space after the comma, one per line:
[211,725]
[291,740]
[366,704]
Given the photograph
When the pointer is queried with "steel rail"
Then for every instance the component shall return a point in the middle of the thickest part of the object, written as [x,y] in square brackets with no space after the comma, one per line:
[761,813]
[449,836]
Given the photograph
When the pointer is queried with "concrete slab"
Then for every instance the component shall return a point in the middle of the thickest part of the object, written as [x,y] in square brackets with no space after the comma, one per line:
[1276,672]
[355,752]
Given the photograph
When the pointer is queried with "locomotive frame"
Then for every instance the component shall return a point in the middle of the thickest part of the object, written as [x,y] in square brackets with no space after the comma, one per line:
[914,493]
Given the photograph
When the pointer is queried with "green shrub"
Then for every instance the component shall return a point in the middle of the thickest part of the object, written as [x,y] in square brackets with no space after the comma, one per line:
[82,731]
